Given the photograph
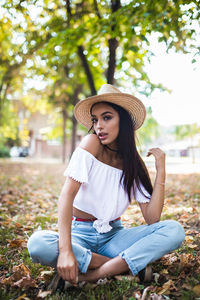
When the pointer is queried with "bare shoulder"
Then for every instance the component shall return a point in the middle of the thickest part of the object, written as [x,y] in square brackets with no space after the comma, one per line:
[91,144]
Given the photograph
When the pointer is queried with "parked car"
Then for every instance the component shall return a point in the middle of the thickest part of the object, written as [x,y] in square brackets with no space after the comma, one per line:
[19,152]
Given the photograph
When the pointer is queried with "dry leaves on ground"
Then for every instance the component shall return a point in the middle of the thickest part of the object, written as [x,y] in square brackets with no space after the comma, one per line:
[28,201]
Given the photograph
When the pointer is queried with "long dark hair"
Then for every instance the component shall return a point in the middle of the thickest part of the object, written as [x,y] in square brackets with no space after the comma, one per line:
[134,169]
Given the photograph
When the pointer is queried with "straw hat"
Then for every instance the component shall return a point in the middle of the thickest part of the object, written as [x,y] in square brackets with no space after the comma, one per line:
[111,94]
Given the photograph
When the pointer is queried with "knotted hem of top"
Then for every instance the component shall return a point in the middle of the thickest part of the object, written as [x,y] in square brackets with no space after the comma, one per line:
[131,266]
[102,226]
[85,261]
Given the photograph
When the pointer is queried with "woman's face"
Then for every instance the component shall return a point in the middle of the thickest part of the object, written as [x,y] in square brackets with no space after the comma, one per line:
[105,121]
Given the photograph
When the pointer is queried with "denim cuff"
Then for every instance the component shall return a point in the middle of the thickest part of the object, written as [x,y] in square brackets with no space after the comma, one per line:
[85,261]
[129,262]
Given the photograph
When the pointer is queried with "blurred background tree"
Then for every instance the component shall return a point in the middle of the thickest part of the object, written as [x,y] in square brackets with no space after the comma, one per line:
[54,53]
[148,132]
[188,131]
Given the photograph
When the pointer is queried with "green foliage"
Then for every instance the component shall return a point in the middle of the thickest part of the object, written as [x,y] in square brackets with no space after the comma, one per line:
[4,151]
[188,130]
[149,131]
[9,123]
[41,40]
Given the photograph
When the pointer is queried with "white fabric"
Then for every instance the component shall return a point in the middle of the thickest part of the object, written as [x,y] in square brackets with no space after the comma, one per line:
[100,193]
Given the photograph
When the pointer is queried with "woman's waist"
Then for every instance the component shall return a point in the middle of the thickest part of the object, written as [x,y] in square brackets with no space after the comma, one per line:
[94,219]
[82,216]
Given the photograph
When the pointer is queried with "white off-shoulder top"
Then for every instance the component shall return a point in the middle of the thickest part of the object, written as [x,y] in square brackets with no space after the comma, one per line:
[101,194]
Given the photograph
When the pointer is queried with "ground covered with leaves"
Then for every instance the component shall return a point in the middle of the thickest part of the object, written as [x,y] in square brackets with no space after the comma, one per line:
[28,200]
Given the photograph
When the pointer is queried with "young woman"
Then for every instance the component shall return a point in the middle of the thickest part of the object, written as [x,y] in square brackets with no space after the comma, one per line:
[104,174]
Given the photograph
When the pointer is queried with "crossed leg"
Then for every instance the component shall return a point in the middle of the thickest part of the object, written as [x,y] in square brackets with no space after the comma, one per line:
[164,237]
[111,267]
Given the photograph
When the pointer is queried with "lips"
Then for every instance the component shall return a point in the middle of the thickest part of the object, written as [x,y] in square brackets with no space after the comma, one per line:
[102,136]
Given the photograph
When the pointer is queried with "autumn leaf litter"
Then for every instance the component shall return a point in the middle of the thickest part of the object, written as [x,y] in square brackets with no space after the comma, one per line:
[29,193]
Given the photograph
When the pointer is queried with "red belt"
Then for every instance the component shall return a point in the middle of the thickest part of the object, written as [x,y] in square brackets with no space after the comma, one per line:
[91,220]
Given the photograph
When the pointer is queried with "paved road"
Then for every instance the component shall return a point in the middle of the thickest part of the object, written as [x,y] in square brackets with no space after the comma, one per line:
[180,165]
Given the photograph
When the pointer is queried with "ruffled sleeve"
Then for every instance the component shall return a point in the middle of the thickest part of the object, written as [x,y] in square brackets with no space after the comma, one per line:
[80,165]
[139,197]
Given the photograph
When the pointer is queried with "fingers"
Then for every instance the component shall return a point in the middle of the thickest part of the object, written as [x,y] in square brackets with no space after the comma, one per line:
[67,267]
[157,152]
[159,156]
[74,275]
[69,273]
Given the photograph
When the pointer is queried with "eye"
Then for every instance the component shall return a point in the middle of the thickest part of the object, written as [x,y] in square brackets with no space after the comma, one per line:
[106,118]
[94,120]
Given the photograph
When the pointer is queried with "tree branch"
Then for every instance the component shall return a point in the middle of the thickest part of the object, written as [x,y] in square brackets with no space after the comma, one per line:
[75,100]
[115,5]
[69,12]
[113,44]
[96,9]
[8,74]
[81,54]
[12,69]
[87,70]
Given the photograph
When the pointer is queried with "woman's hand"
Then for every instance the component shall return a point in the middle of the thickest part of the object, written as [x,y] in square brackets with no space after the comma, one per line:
[67,267]
[159,157]
[152,210]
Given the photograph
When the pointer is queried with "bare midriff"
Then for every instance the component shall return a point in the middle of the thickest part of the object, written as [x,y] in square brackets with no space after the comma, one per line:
[81,214]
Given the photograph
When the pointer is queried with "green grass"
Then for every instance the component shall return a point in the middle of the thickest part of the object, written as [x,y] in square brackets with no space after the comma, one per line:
[113,290]
[28,196]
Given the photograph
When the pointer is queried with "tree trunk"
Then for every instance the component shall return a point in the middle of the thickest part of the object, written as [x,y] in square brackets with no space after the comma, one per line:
[87,70]
[3,92]
[113,44]
[64,114]
[74,130]
[74,122]
[81,55]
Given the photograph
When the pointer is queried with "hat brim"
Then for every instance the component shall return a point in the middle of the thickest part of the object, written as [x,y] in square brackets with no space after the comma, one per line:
[132,104]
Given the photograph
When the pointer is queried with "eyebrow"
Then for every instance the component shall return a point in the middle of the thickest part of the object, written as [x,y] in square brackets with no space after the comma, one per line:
[104,113]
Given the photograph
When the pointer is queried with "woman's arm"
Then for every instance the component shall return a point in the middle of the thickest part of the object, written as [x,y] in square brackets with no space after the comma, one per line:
[152,210]
[67,265]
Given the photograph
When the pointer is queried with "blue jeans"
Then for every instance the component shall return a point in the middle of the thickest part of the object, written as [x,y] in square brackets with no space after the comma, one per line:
[137,245]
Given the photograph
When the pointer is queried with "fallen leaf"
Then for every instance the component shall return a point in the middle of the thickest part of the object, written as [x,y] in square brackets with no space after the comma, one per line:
[22,269]
[18,225]
[167,286]
[191,231]
[25,282]
[23,297]
[144,294]
[19,272]
[43,294]
[164,271]
[187,259]
[192,246]
[189,239]
[156,297]
[186,286]
[137,294]
[45,275]
[196,290]
[169,259]
[17,243]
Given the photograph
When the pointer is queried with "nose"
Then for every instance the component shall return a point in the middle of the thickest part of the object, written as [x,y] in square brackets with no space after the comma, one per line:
[99,124]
